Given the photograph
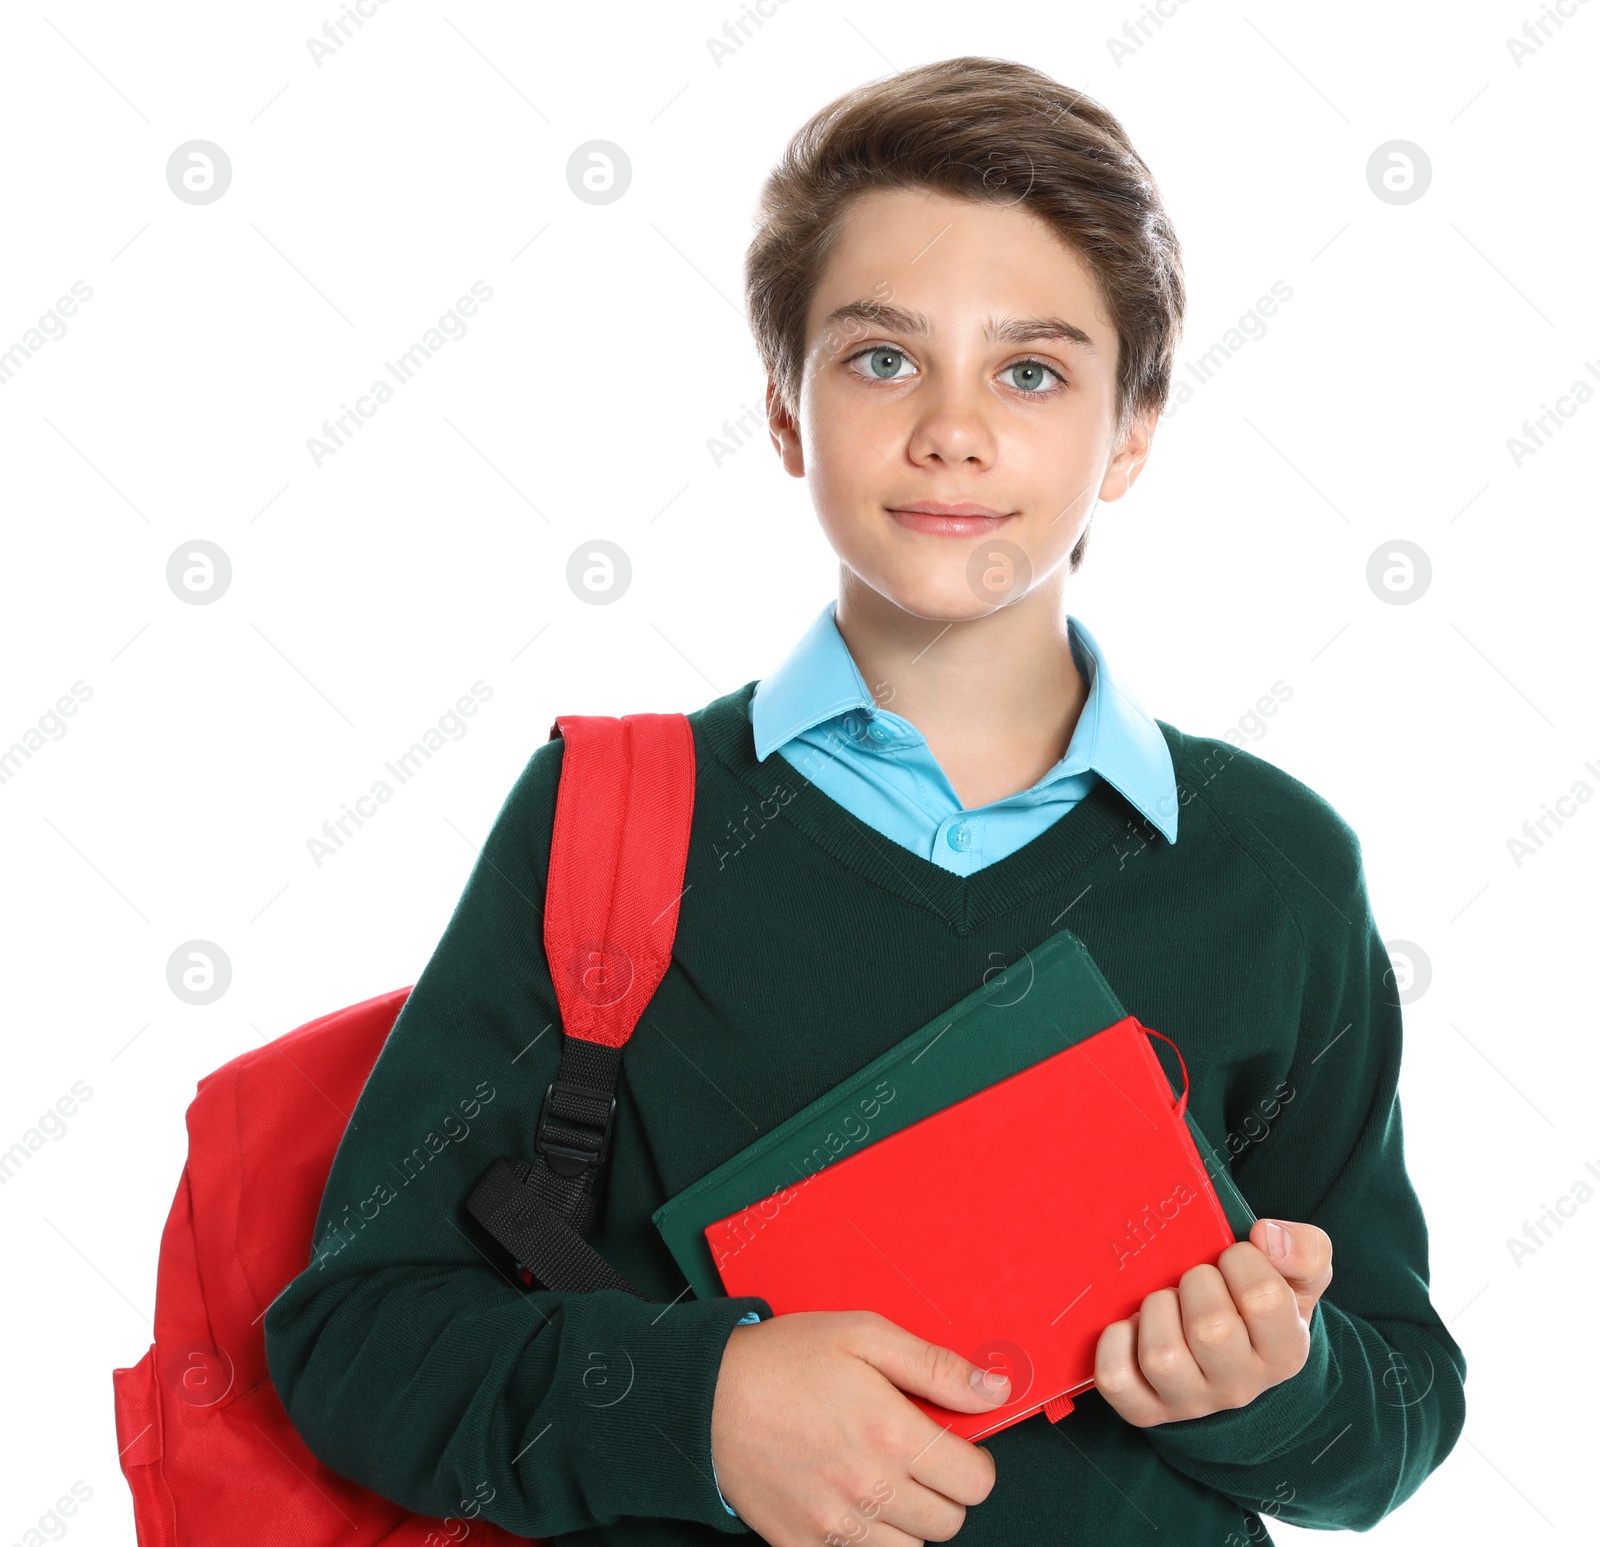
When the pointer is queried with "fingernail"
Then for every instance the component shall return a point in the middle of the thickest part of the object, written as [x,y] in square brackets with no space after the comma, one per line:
[988,1382]
[1277,1239]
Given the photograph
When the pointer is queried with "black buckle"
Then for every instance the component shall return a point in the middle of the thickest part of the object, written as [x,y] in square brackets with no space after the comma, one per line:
[569,1159]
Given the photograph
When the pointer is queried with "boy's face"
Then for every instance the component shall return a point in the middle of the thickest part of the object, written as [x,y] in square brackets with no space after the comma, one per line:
[958,353]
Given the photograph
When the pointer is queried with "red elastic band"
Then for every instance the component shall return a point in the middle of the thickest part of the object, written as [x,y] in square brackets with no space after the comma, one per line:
[1183,1100]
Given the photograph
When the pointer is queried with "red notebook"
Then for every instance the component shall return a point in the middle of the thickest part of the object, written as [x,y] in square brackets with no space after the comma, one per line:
[1012,1226]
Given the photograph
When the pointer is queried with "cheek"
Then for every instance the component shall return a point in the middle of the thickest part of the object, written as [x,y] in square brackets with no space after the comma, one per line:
[841,437]
[1056,476]
[834,484]
[1054,458]
[848,462]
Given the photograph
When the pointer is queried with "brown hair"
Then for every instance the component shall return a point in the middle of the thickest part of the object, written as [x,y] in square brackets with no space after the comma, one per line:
[984,129]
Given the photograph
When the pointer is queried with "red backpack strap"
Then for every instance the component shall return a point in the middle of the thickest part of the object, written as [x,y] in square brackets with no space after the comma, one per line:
[617,856]
[618,849]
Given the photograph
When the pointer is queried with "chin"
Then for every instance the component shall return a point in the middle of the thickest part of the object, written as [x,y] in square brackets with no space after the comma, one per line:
[939,594]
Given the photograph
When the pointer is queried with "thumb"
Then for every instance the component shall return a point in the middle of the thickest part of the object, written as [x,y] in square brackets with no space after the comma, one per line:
[925,1369]
[1302,1254]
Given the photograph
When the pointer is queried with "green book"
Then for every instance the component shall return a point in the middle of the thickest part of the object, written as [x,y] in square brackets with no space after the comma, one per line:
[1054,997]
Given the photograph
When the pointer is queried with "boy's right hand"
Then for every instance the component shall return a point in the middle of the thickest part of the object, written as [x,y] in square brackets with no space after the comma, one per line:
[814,1442]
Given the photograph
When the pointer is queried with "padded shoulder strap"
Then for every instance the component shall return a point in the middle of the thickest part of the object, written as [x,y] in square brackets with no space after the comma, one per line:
[617,854]
[618,849]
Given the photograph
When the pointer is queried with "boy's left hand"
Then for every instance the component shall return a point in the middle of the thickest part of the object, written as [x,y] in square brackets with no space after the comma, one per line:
[1224,1335]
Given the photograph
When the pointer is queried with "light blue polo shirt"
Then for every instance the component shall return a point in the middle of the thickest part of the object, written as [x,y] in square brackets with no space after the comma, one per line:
[818,713]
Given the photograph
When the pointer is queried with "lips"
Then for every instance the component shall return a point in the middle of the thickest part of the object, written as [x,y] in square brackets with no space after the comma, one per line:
[948,518]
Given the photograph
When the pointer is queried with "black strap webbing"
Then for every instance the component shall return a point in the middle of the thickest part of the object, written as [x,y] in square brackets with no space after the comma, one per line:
[538,1210]
[507,1203]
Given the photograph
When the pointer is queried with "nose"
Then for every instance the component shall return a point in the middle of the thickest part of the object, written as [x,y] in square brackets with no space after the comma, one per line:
[953,426]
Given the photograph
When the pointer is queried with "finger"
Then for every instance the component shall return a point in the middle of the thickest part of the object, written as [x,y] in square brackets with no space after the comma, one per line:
[850,1530]
[1164,1354]
[1217,1335]
[1302,1253]
[927,1369]
[958,1469]
[1269,1308]
[924,1513]
[923,1503]
[1118,1378]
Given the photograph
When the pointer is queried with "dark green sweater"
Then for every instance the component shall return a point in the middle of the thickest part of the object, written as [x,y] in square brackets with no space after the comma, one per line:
[807,945]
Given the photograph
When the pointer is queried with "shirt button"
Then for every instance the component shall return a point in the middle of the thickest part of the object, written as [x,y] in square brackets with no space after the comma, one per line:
[959,837]
[877,732]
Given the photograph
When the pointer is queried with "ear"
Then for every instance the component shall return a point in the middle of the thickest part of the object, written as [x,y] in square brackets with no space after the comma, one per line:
[785,433]
[1131,454]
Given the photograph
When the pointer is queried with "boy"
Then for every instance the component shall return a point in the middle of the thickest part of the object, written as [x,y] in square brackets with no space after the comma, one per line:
[967,297]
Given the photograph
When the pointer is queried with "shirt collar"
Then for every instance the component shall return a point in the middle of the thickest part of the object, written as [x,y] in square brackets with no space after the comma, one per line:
[1115,737]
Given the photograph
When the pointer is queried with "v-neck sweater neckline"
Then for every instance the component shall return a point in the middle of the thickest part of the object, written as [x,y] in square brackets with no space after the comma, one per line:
[963,902]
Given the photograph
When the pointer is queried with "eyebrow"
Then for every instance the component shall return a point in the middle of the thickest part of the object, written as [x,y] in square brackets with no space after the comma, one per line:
[1009,330]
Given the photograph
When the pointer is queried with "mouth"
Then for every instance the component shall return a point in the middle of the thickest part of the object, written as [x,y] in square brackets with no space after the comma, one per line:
[949,519]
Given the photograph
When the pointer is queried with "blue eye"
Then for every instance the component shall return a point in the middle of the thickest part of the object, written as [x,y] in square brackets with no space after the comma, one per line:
[1030,375]
[886,363]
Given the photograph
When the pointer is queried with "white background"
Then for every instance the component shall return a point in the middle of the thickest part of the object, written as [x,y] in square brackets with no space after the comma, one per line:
[368,594]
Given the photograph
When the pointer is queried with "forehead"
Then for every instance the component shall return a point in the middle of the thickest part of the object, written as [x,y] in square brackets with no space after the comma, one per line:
[956,260]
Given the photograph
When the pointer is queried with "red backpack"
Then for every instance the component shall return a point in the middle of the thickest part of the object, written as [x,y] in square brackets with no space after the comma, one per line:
[204,1442]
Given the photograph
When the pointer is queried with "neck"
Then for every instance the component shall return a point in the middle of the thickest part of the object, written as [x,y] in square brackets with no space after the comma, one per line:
[997,697]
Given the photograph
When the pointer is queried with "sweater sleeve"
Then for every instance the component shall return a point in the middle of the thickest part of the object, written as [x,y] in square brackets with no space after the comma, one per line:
[408,1357]
[1380,1400]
